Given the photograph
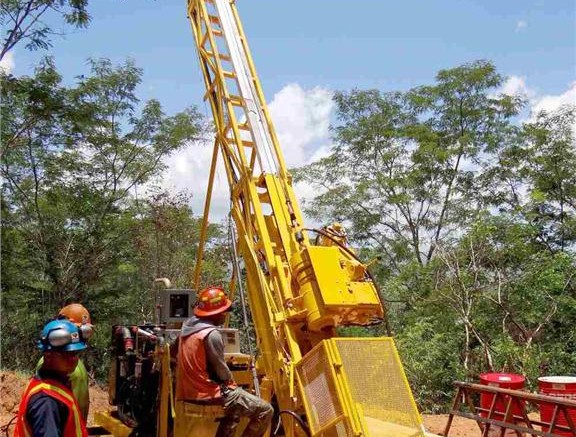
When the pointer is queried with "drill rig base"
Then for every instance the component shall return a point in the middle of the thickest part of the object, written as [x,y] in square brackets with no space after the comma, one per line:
[196,419]
[114,426]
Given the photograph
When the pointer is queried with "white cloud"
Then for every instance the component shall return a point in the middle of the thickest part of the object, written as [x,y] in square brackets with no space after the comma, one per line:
[520,25]
[7,63]
[189,170]
[301,118]
[516,86]
[552,102]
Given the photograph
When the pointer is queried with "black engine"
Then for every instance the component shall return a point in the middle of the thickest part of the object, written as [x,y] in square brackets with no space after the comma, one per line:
[134,377]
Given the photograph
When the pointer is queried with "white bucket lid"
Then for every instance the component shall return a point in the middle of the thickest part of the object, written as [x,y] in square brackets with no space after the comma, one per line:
[558,379]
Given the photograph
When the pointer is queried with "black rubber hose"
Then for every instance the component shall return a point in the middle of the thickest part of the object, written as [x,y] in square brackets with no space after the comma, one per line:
[297,418]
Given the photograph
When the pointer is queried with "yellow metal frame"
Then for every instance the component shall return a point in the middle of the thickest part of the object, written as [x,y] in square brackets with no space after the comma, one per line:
[339,394]
[298,293]
[111,424]
[295,300]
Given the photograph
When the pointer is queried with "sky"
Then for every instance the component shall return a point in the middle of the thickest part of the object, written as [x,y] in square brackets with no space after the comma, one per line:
[304,50]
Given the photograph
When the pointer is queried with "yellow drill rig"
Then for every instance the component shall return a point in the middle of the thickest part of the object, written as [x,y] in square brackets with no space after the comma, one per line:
[299,293]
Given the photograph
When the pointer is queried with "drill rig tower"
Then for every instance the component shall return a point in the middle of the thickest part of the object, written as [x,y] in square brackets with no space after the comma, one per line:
[299,294]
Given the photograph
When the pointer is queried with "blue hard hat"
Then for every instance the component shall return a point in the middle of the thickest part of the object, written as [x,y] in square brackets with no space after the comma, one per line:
[61,335]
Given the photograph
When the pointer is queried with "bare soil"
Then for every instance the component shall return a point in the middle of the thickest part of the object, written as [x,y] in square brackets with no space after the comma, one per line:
[13,384]
[461,427]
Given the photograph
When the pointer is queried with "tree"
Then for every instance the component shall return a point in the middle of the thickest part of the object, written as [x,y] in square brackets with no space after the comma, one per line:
[533,177]
[23,20]
[72,159]
[165,237]
[403,171]
[549,169]
[473,216]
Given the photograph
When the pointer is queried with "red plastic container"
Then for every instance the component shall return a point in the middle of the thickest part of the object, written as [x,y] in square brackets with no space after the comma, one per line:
[560,387]
[510,381]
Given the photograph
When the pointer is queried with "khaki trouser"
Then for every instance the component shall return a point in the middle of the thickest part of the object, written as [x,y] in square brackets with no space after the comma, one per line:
[239,403]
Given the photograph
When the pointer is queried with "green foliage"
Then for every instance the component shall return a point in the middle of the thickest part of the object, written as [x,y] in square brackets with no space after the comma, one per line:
[471,215]
[24,21]
[397,173]
[430,354]
[473,218]
[72,229]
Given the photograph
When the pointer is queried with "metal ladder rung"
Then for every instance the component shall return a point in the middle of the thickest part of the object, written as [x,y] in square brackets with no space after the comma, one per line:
[229,74]
[236,100]
[242,126]
[220,55]
[264,197]
[215,19]
[245,143]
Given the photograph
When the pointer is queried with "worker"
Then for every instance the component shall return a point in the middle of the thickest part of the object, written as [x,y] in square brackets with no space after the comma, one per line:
[79,315]
[48,407]
[203,376]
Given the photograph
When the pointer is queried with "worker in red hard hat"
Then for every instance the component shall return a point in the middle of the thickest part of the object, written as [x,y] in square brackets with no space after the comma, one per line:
[48,407]
[79,316]
[202,374]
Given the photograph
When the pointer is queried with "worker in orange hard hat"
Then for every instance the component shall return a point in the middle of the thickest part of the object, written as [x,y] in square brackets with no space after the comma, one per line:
[202,374]
[79,316]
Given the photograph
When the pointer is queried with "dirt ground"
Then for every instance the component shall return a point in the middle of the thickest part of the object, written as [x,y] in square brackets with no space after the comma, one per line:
[13,384]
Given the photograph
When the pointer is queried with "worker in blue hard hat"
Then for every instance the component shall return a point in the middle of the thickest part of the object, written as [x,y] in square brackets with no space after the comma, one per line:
[79,315]
[48,407]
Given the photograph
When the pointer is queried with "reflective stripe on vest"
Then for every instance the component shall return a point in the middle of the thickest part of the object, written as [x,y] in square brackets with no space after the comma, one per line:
[74,426]
[79,383]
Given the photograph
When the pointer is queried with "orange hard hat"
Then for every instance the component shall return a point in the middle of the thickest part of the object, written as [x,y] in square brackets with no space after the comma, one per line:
[76,313]
[212,301]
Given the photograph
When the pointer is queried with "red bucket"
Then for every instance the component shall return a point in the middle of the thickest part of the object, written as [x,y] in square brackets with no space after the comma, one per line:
[510,381]
[559,387]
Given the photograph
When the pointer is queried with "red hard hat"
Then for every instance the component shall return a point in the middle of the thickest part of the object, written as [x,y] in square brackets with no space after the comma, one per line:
[212,301]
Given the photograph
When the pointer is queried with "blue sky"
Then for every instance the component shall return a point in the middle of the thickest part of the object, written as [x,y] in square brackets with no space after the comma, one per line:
[305,49]
[335,44]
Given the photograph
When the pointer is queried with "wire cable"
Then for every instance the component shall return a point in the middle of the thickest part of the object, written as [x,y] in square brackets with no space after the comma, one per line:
[236,264]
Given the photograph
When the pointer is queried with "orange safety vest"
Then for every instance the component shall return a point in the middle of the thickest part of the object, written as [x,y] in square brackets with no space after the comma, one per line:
[74,426]
[192,380]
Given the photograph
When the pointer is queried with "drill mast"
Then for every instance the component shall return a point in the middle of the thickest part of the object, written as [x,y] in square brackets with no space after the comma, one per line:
[298,293]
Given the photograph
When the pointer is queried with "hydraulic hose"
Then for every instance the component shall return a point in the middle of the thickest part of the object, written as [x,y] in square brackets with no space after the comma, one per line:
[297,418]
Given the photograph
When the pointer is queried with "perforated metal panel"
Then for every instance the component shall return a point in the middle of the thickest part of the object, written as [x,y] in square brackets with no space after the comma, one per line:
[358,387]
[318,382]
[376,381]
